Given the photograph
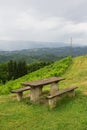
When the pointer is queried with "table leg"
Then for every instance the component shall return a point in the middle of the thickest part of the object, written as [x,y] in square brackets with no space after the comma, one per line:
[19,96]
[54,88]
[35,94]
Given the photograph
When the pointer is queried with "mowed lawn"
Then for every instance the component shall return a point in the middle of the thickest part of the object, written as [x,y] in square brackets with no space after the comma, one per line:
[70,113]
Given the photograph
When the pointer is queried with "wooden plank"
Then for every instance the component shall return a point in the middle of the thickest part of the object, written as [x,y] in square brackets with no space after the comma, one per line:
[21,90]
[62,92]
[43,82]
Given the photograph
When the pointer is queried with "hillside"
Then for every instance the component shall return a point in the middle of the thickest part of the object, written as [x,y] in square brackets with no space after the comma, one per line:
[70,113]
[77,73]
[55,69]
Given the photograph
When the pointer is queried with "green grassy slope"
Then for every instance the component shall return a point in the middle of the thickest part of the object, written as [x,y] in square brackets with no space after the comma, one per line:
[77,73]
[70,113]
[55,69]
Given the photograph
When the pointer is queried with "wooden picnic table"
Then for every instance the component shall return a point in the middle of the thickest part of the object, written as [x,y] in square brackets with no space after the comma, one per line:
[36,87]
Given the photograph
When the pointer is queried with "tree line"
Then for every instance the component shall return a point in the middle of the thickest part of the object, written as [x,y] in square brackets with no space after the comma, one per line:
[13,69]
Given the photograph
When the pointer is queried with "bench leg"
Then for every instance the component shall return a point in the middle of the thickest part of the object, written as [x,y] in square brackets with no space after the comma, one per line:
[54,88]
[19,96]
[71,93]
[35,94]
[52,102]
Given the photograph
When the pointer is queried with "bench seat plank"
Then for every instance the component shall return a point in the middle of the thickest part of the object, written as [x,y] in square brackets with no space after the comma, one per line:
[52,99]
[21,90]
[62,92]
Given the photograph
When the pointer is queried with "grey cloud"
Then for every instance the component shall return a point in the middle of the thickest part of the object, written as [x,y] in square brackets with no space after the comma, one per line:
[73,10]
[43,20]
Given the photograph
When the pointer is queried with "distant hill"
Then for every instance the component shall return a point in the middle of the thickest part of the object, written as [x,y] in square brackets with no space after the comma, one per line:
[42,54]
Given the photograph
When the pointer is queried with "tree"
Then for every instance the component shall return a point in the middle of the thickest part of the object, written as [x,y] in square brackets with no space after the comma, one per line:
[16,70]
[22,68]
[10,70]
[3,73]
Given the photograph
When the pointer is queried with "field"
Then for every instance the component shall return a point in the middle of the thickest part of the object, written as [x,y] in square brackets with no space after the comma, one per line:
[70,113]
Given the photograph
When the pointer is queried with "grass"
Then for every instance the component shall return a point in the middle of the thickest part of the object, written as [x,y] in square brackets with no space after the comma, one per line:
[77,74]
[70,113]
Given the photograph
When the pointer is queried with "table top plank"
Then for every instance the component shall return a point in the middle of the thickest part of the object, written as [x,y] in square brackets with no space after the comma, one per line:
[43,82]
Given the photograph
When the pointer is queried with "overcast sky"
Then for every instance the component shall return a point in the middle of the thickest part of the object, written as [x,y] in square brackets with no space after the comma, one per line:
[44,20]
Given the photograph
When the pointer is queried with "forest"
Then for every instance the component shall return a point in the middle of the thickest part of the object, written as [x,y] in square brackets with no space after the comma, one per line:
[42,54]
[13,69]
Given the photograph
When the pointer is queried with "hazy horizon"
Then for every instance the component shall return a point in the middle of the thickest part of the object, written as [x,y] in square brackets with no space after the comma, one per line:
[21,45]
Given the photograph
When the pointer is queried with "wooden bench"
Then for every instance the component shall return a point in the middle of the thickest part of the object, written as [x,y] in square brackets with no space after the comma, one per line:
[36,87]
[52,99]
[20,91]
